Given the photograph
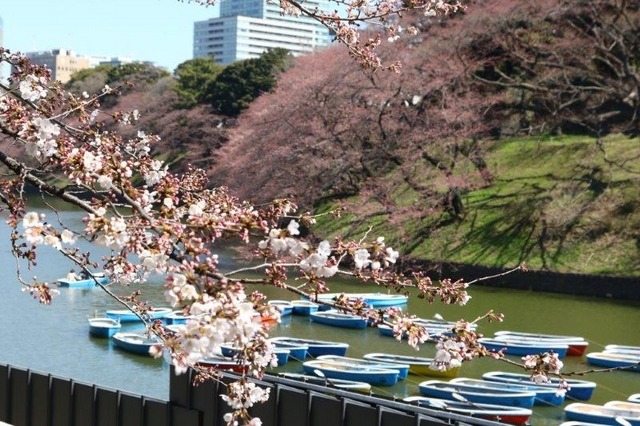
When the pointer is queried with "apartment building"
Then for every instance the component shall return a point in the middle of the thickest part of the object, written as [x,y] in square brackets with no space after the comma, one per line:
[247,28]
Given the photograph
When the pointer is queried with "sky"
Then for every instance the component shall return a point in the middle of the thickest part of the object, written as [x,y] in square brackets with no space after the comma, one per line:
[160,31]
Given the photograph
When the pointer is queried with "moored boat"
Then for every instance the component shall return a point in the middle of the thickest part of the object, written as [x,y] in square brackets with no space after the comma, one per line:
[230,351]
[447,390]
[634,398]
[297,351]
[338,319]
[284,306]
[350,385]
[600,414]
[125,315]
[434,333]
[224,363]
[622,349]
[177,317]
[578,389]
[544,395]
[500,413]
[576,345]
[623,405]
[336,370]
[376,300]
[417,365]
[103,327]
[137,343]
[315,347]
[304,307]
[614,360]
[74,281]
[525,348]
[403,369]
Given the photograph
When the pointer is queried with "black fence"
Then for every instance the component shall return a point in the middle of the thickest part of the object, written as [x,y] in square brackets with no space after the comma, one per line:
[29,398]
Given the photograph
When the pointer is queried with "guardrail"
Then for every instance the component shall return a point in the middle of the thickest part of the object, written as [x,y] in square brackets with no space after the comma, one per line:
[31,398]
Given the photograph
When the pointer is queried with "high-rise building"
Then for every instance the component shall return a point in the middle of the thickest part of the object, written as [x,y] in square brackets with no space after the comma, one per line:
[1,45]
[248,28]
[62,62]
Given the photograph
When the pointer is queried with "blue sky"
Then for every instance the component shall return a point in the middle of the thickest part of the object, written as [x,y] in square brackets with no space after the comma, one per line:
[160,31]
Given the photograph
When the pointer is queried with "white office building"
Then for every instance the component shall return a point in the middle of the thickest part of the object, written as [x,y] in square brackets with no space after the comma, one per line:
[247,28]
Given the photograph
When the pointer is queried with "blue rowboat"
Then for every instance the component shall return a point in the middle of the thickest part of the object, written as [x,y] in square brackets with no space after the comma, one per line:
[125,315]
[103,327]
[177,318]
[284,306]
[525,348]
[304,307]
[544,395]
[447,390]
[315,347]
[78,282]
[224,363]
[230,351]
[297,351]
[600,414]
[338,319]
[137,343]
[613,360]
[579,389]
[336,370]
[375,300]
[417,365]
[577,345]
[501,413]
[403,369]
[350,385]
[434,333]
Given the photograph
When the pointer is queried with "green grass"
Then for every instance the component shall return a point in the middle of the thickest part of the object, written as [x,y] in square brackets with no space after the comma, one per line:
[563,204]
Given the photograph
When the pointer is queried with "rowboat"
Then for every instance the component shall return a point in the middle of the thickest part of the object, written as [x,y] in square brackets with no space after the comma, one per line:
[525,348]
[230,351]
[137,343]
[623,405]
[177,317]
[350,385]
[125,315]
[434,334]
[446,390]
[634,398]
[338,319]
[501,413]
[417,365]
[316,347]
[403,369]
[284,306]
[297,351]
[579,389]
[73,281]
[577,345]
[614,360]
[336,370]
[544,395]
[224,363]
[600,414]
[304,307]
[375,300]
[441,324]
[103,327]
[622,349]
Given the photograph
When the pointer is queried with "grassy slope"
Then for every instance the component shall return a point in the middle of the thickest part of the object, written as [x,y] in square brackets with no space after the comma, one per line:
[559,203]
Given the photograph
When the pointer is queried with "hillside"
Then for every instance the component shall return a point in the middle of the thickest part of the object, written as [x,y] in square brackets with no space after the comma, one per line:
[434,156]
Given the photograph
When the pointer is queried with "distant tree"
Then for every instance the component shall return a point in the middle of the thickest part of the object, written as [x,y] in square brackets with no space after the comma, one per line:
[90,80]
[193,77]
[136,72]
[240,83]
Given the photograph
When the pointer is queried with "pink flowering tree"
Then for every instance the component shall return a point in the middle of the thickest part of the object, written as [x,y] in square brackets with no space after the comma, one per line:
[57,144]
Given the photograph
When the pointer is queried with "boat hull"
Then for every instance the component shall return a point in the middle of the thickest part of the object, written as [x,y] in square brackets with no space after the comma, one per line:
[350,385]
[375,300]
[304,307]
[403,369]
[125,315]
[544,396]
[417,365]
[88,283]
[600,414]
[446,390]
[614,360]
[316,348]
[579,389]
[337,319]
[501,413]
[134,342]
[333,370]
[103,327]
[522,349]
